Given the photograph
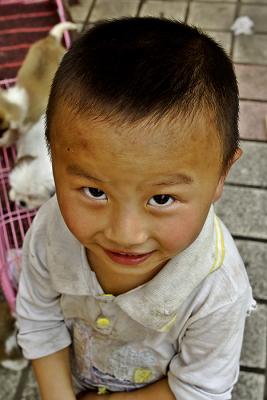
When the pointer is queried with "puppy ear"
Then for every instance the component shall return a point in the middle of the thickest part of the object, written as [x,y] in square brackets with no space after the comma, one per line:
[24,159]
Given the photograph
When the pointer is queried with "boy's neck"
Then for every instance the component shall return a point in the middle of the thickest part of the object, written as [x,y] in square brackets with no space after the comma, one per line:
[117,284]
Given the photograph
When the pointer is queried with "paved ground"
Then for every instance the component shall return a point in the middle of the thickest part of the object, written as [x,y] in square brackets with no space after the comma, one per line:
[244,203]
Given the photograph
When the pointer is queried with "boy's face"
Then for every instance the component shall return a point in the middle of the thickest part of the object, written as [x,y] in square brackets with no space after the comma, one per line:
[133,196]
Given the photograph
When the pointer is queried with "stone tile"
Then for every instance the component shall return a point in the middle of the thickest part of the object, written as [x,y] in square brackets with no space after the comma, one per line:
[254,345]
[223,38]
[254,255]
[258,14]
[80,30]
[212,15]
[31,391]
[79,11]
[253,1]
[252,80]
[250,49]
[249,387]
[8,383]
[252,120]
[114,9]
[251,168]
[168,9]
[244,211]
[219,1]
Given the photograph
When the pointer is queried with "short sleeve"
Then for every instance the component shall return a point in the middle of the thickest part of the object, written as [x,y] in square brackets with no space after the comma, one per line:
[42,329]
[207,364]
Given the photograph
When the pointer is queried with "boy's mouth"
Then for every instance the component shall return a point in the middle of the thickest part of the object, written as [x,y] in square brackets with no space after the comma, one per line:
[126,258]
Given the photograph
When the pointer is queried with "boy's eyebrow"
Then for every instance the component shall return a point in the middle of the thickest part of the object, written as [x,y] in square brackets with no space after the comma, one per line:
[176,179]
[76,170]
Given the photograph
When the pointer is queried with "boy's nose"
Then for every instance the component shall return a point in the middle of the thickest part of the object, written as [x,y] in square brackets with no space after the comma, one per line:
[126,230]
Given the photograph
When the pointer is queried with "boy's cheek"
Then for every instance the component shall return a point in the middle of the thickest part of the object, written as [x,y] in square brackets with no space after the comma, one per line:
[81,226]
[176,236]
[76,218]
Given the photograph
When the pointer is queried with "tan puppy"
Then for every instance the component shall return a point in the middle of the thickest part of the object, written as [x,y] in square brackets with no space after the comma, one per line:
[23,104]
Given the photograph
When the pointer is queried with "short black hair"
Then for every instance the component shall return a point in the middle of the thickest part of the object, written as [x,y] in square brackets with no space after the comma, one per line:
[149,67]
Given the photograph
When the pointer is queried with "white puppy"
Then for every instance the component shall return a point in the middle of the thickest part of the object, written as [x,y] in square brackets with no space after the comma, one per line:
[31,180]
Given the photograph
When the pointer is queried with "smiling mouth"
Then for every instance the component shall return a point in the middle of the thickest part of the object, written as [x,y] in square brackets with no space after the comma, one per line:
[127,258]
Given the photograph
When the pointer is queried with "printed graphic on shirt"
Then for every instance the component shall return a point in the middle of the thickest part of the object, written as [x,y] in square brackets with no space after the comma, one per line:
[100,360]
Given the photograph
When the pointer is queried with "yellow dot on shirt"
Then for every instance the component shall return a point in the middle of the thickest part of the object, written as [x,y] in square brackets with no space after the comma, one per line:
[102,322]
[142,375]
[102,390]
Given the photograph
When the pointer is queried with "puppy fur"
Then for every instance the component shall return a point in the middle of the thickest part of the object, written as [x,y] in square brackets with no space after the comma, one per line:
[31,180]
[22,105]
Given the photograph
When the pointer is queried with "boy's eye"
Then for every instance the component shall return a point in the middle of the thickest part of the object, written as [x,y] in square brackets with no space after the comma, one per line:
[161,200]
[94,193]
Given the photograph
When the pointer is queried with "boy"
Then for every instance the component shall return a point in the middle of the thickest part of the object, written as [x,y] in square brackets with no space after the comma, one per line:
[131,286]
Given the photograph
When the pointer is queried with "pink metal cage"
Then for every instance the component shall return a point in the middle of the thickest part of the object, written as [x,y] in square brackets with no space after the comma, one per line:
[14,221]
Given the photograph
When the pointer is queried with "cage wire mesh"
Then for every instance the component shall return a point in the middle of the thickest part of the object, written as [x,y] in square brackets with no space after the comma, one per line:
[14,221]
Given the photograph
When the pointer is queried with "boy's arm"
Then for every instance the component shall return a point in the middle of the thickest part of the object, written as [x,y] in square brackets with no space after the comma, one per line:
[54,376]
[157,390]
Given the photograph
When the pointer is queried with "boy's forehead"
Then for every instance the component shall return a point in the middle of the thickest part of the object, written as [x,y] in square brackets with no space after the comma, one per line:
[79,128]
[164,147]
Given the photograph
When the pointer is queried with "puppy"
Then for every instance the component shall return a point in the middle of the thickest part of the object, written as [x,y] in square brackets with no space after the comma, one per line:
[22,105]
[31,180]
[10,354]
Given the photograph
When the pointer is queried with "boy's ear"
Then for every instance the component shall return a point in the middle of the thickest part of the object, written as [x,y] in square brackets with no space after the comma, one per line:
[220,185]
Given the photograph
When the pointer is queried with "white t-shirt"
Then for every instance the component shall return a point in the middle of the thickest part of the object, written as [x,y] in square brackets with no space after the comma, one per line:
[187,323]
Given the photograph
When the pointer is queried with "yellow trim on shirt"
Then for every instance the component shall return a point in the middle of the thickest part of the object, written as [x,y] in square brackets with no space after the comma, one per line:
[169,324]
[219,246]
